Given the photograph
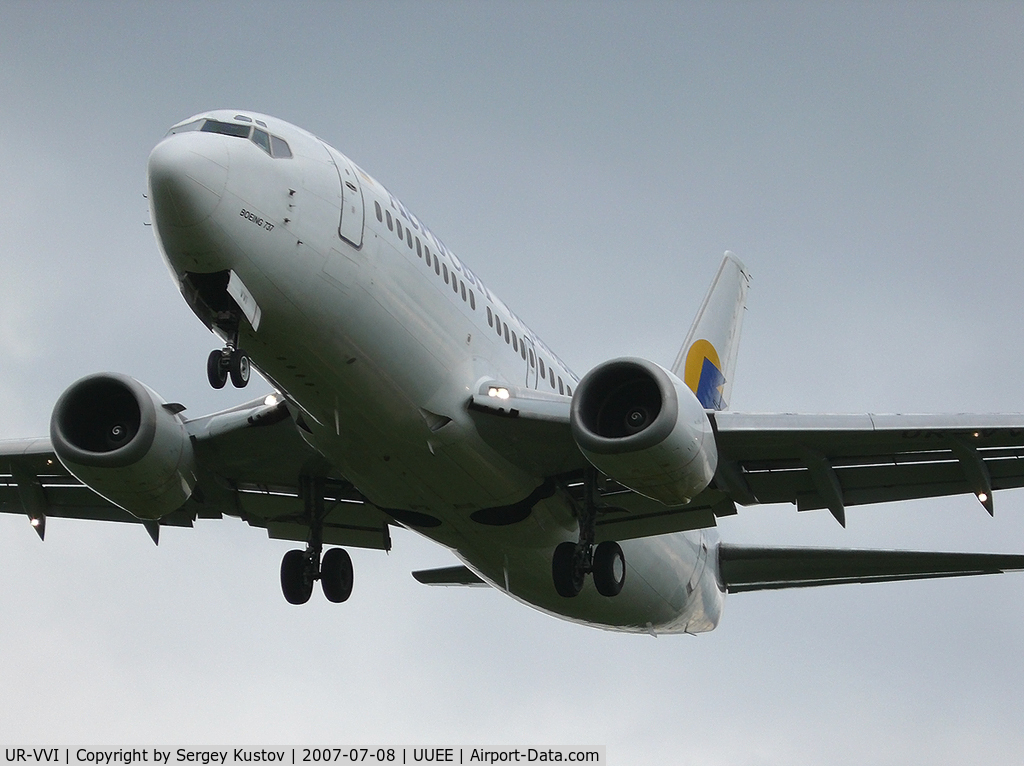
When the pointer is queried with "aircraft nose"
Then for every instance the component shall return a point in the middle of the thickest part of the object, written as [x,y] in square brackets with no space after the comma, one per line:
[187,175]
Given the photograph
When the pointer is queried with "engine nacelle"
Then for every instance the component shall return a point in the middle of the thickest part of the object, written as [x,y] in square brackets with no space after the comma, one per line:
[639,424]
[116,437]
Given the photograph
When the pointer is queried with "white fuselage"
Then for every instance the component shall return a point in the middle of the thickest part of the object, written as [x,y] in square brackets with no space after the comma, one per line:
[380,349]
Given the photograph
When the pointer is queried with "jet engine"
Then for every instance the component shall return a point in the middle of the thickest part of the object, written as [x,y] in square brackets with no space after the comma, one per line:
[639,424]
[120,439]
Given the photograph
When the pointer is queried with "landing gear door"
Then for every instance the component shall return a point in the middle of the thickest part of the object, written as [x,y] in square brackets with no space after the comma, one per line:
[351,226]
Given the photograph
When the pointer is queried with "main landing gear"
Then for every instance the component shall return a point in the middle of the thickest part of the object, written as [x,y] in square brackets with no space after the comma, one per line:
[300,569]
[572,562]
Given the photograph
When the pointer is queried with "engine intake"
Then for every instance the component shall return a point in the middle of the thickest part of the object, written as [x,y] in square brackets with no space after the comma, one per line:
[116,437]
[639,424]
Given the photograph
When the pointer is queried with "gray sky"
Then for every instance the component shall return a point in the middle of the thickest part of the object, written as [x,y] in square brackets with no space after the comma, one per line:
[591,162]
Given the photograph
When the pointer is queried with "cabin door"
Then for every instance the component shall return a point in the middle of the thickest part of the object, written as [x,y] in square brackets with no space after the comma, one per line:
[350,228]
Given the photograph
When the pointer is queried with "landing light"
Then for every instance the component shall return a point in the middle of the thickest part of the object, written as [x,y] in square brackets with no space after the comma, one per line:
[982,496]
[35,522]
[498,392]
[271,400]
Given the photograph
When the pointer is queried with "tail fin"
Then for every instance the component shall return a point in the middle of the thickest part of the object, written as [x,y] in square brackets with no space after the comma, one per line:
[707,360]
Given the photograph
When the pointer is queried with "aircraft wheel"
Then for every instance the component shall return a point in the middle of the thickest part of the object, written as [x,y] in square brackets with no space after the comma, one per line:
[336,575]
[215,371]
[240,368]
[567,576]
[609,569]
[296,582]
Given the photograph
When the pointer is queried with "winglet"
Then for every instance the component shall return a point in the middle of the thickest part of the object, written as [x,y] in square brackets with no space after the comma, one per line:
[707,360]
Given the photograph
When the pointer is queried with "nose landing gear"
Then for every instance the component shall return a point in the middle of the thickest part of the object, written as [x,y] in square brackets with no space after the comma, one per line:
[572,562]
[229,361]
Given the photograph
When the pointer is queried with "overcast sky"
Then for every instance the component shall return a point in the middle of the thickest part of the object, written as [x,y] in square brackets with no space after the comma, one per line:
[591,162]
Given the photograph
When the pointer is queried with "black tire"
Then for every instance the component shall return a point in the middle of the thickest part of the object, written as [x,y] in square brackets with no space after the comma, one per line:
[215,371]
[336,575]
[240,368]
[296,583]
[609,569]
[567,576]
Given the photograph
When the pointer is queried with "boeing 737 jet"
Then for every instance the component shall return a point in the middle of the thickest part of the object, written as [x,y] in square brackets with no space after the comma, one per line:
[406,393]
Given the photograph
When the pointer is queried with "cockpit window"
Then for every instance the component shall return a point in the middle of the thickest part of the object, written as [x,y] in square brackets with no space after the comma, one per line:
[280,147]
[194,125]
[243,118]
[272,145]
[262,139]
[226,128]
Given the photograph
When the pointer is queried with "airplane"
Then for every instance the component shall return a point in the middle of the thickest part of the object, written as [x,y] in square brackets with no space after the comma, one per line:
[407,394]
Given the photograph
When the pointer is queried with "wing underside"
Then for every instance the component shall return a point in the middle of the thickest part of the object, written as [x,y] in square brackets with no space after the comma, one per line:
[811,461]
[836,461]
[252,464]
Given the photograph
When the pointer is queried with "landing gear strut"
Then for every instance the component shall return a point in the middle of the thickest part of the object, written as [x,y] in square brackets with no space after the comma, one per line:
[572,562]
[229,361]
[300,569]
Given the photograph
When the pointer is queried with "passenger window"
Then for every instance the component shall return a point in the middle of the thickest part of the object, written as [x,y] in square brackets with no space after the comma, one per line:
[568,391]
[543,372]
[551,376]
[380,215]
[419,250]
[522,350]
[506,334]
[391,226]
[532,360]
[463,285]
[262,139]
[426,256]
[398,228]
[490,317]
[472,300]
[455,283]
[497,325]
[561,388]
[445,267]
[515,341]
[408,236]
[437,267]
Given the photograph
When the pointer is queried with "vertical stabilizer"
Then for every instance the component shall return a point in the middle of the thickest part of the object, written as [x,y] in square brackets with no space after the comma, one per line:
[707,360]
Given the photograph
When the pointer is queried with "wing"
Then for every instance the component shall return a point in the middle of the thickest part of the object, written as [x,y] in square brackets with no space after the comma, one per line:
[531,429]
[835,461]
[811,461]
[250,460]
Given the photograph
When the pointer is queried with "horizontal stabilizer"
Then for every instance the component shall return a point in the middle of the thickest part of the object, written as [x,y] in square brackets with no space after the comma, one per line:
[747,568]
[448,576]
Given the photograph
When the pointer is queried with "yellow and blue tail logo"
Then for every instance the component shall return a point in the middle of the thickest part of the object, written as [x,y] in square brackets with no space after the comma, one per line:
[703,375]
